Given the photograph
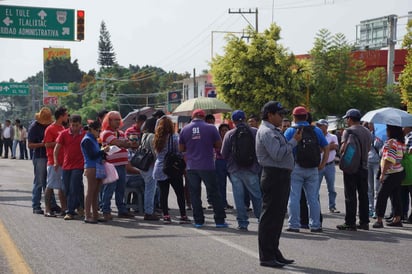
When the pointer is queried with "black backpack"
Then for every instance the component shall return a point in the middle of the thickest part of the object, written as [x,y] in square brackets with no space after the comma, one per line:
[243,146]
[308,149]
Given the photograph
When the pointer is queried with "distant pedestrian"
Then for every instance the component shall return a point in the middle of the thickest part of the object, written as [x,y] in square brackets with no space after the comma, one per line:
[134,132]
[150,183]
[8,135]
[221,168]
[16,138]
[285,124]
[329,171]
[253,121]
[23,143]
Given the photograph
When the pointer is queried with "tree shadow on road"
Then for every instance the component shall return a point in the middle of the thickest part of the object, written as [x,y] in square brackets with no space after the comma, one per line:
[302,269]
[387,235]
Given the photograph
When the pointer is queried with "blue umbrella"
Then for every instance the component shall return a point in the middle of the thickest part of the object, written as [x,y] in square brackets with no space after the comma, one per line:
[389,116]
[380,131]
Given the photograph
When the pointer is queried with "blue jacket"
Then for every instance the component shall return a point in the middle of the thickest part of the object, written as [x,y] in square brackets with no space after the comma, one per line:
[91,151]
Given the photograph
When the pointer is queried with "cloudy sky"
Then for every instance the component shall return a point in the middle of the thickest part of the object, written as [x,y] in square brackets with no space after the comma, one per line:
[177,35]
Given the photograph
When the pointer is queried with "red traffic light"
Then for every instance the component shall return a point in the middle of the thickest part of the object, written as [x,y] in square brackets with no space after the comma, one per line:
[80,13]
[80,25]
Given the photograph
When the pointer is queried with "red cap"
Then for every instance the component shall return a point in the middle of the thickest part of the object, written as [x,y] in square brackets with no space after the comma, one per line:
[299,111]
[199,113]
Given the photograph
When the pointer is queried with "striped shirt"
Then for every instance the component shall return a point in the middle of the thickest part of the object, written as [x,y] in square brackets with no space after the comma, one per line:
[108,136]
[393,151]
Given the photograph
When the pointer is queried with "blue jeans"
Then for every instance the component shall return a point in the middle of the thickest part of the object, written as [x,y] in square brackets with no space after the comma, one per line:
[149,190]
[221,177]
[195,178]
[14,148]
[373,185]
[242,180]
[329,173]
[308,179]
[118,188]
[39,181]
[74,189]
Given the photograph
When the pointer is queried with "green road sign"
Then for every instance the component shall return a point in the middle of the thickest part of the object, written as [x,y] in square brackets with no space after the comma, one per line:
[14,89]
[36,23]
[56,89]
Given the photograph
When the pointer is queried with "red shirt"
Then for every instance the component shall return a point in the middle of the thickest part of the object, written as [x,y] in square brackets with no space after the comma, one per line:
[73,157]
[50,136]
[108,136]
[133,130]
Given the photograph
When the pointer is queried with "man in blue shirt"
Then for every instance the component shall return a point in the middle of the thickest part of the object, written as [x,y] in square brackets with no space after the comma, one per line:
[305,177]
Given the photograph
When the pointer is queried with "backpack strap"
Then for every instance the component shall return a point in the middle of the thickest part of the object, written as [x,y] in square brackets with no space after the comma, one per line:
[170,146]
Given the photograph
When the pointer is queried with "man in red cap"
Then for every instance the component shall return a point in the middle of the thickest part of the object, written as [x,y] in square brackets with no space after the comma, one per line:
[305,173]
[198,141]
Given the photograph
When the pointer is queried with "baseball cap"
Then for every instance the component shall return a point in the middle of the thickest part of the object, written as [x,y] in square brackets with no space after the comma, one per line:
[273,107]
[353,112]
[322,122]
[299,111]
[198,112]
[238,115]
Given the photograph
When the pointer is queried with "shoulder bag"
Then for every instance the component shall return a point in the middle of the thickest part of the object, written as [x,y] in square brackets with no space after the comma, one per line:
[143,158]
[174,165]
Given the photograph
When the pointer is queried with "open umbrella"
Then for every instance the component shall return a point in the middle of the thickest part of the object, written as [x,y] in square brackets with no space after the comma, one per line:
[389,116]
[209,105]
[129,120]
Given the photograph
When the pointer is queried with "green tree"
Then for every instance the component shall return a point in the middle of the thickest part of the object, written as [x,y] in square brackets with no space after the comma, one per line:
[107,56]
[340,81]
[62,70]
[405,79]
[250,74]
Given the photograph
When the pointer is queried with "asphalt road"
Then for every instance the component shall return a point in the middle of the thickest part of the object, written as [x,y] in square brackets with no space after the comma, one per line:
[52,245]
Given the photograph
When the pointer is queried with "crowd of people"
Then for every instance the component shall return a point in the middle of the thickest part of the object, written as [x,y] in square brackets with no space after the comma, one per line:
[275,164]
[13,136]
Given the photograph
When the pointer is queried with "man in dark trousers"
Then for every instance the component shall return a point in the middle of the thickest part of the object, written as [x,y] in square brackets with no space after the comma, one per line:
[275,155]
[357,182]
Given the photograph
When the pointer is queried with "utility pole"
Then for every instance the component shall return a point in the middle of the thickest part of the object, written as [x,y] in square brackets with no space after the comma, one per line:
[392,21]
[194,84]
[242,12]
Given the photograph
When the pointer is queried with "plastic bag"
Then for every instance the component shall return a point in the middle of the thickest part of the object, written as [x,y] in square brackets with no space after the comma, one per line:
[111,173]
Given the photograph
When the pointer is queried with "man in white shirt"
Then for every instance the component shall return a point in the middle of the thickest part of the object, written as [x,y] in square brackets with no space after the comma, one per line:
[329,170]
[8,134]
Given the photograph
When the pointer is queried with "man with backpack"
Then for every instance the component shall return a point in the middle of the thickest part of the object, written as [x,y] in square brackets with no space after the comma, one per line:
[238,149]
[356,142]
[305,175]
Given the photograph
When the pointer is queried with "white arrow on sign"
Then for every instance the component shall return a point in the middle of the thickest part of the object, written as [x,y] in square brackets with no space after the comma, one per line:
[42,14]
[66,31]
[7,21]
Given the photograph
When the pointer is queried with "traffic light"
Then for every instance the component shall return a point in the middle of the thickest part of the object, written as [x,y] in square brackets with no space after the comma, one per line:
[80,25]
